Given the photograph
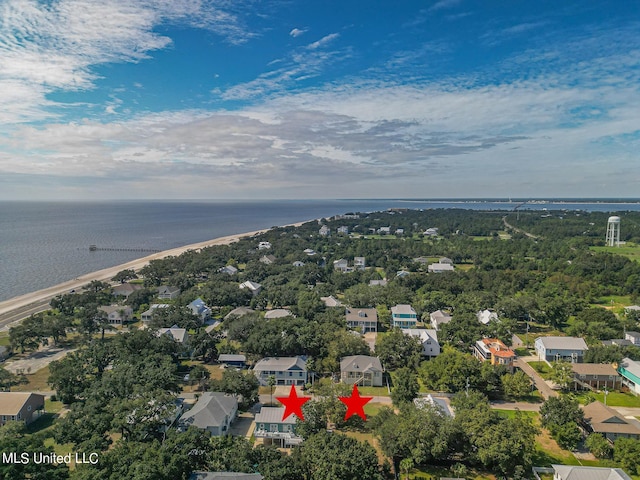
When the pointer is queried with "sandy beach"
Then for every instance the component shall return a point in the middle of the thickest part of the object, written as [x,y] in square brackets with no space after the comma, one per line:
[42,297]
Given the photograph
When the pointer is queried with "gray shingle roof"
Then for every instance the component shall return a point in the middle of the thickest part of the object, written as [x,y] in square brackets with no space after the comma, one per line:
[563,343]
[210,410]
[360,363]
[569,472]
[280,364]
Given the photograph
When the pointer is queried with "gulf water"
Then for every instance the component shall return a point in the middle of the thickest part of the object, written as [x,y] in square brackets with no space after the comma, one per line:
[45,243]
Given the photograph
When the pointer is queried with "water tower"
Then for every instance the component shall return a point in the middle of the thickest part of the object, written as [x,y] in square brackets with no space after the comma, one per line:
[613,232]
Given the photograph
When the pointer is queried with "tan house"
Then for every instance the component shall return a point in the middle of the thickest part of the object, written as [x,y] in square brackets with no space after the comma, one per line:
[598,418]
[363,320]
[18,406]
[361,370]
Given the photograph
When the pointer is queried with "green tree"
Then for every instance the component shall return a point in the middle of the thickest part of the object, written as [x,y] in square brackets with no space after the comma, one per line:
[626,451]
[516,385]
[405,386]
[243,384]
[567,435]
[397,350]
[599,446]
[452,371]
[124,275]
[560,410]
[562,374]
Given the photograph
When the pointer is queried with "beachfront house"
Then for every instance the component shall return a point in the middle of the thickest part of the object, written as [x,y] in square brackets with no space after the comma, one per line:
[20,406]
[403,316]
[125,289]
[285,370]
[551,348]
[117,314]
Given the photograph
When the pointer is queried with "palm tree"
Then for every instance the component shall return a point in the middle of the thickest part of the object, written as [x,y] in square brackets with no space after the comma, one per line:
[271,381]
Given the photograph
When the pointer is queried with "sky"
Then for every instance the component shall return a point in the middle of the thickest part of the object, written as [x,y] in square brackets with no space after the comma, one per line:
[279,99]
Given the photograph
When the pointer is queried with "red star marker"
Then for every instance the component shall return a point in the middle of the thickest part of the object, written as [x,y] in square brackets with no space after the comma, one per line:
[355,404]
[293,404]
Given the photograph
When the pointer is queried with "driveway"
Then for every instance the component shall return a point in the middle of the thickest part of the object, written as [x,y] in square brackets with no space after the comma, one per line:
[543,387]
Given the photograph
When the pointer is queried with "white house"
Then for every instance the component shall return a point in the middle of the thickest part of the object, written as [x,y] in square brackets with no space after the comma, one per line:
[324,231]
[561,348]
[428,338]
[572,472]
[440,268]
[229,270]
[147,315]
[117,314]
[629,370]
[180,335]
[264,246]
[343,230]
[486,316]
[439,318]
[342,265]
[253,287]
[359,263]
[633,337]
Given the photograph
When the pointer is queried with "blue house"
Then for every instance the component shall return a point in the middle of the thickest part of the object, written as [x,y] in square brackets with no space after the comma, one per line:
[200,309]
[551,349]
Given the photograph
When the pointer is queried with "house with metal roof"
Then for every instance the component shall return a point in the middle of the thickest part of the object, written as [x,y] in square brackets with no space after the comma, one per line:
[551,349]
[272,428]
[598,418]
[572,472]
[286,370]
[629,370]
[361,370]
[213,412]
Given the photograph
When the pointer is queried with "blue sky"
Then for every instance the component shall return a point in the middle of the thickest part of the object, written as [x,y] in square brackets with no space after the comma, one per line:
[319,99]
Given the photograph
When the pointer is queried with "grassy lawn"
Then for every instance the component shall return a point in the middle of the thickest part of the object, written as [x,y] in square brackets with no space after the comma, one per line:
[4,339]
[36,381]
[522,352]
[512,413]
[629,250]
[542,368]
[371,409]
[370,439]
[614,399]
[432,472]
[370,391]
[52,407]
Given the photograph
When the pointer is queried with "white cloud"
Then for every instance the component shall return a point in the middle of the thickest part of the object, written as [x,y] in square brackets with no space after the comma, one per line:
[296,32]
[323,41]
[55,45]
[444,5]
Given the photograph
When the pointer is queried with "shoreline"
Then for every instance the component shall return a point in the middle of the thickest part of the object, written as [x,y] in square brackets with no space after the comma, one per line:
[46,294]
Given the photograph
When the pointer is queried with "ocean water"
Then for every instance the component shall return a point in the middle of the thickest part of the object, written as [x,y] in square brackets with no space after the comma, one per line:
[45,243]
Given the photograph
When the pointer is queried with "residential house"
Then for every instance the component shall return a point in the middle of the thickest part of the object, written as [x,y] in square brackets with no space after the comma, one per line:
[421,260]
[343,230]
[324,231]
[264,246]
[402,274]
[147,315]
[277,313]
[286,370]
[428,338]
[364,320]
[271,428]
[268,259]
[331,301]
[125,289]
[633,337]
[253,287]
[561,348]
[431,232]
[298,263]
[572,472]
[200,309]
[166,292]
[621,342]
[399,231]
[403,316]
[361,370]
[117,314]
[213,412]
[446,260]
[439,318]
[629,370]
[595,375]
[384,230]
[437,402]
[342,265]
[378,283]
[486,316]
[180,335]
[494,351]
[232,360]
[229,270]
[359,263]
[225,476]
[20,406]
[440,268]
[598,418]
[310,252]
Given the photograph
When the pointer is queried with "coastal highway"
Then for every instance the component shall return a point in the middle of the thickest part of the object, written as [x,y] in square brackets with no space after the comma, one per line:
[21,307]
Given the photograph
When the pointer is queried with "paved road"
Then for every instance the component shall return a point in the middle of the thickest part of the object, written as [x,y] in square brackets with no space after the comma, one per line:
[515,229]
[543,387]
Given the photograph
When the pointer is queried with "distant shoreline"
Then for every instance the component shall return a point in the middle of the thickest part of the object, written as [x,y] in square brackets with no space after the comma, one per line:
[106,274]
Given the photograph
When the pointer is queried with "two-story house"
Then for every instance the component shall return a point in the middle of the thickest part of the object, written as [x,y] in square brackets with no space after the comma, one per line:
[551,349]
[428,338]
[117,314]
[200,309]
[363,320]
[213,412]
[361,370]
[285,370]
[166,292]
[439,318]
[403,316]
[629,370]
[494,351]
[272,429]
